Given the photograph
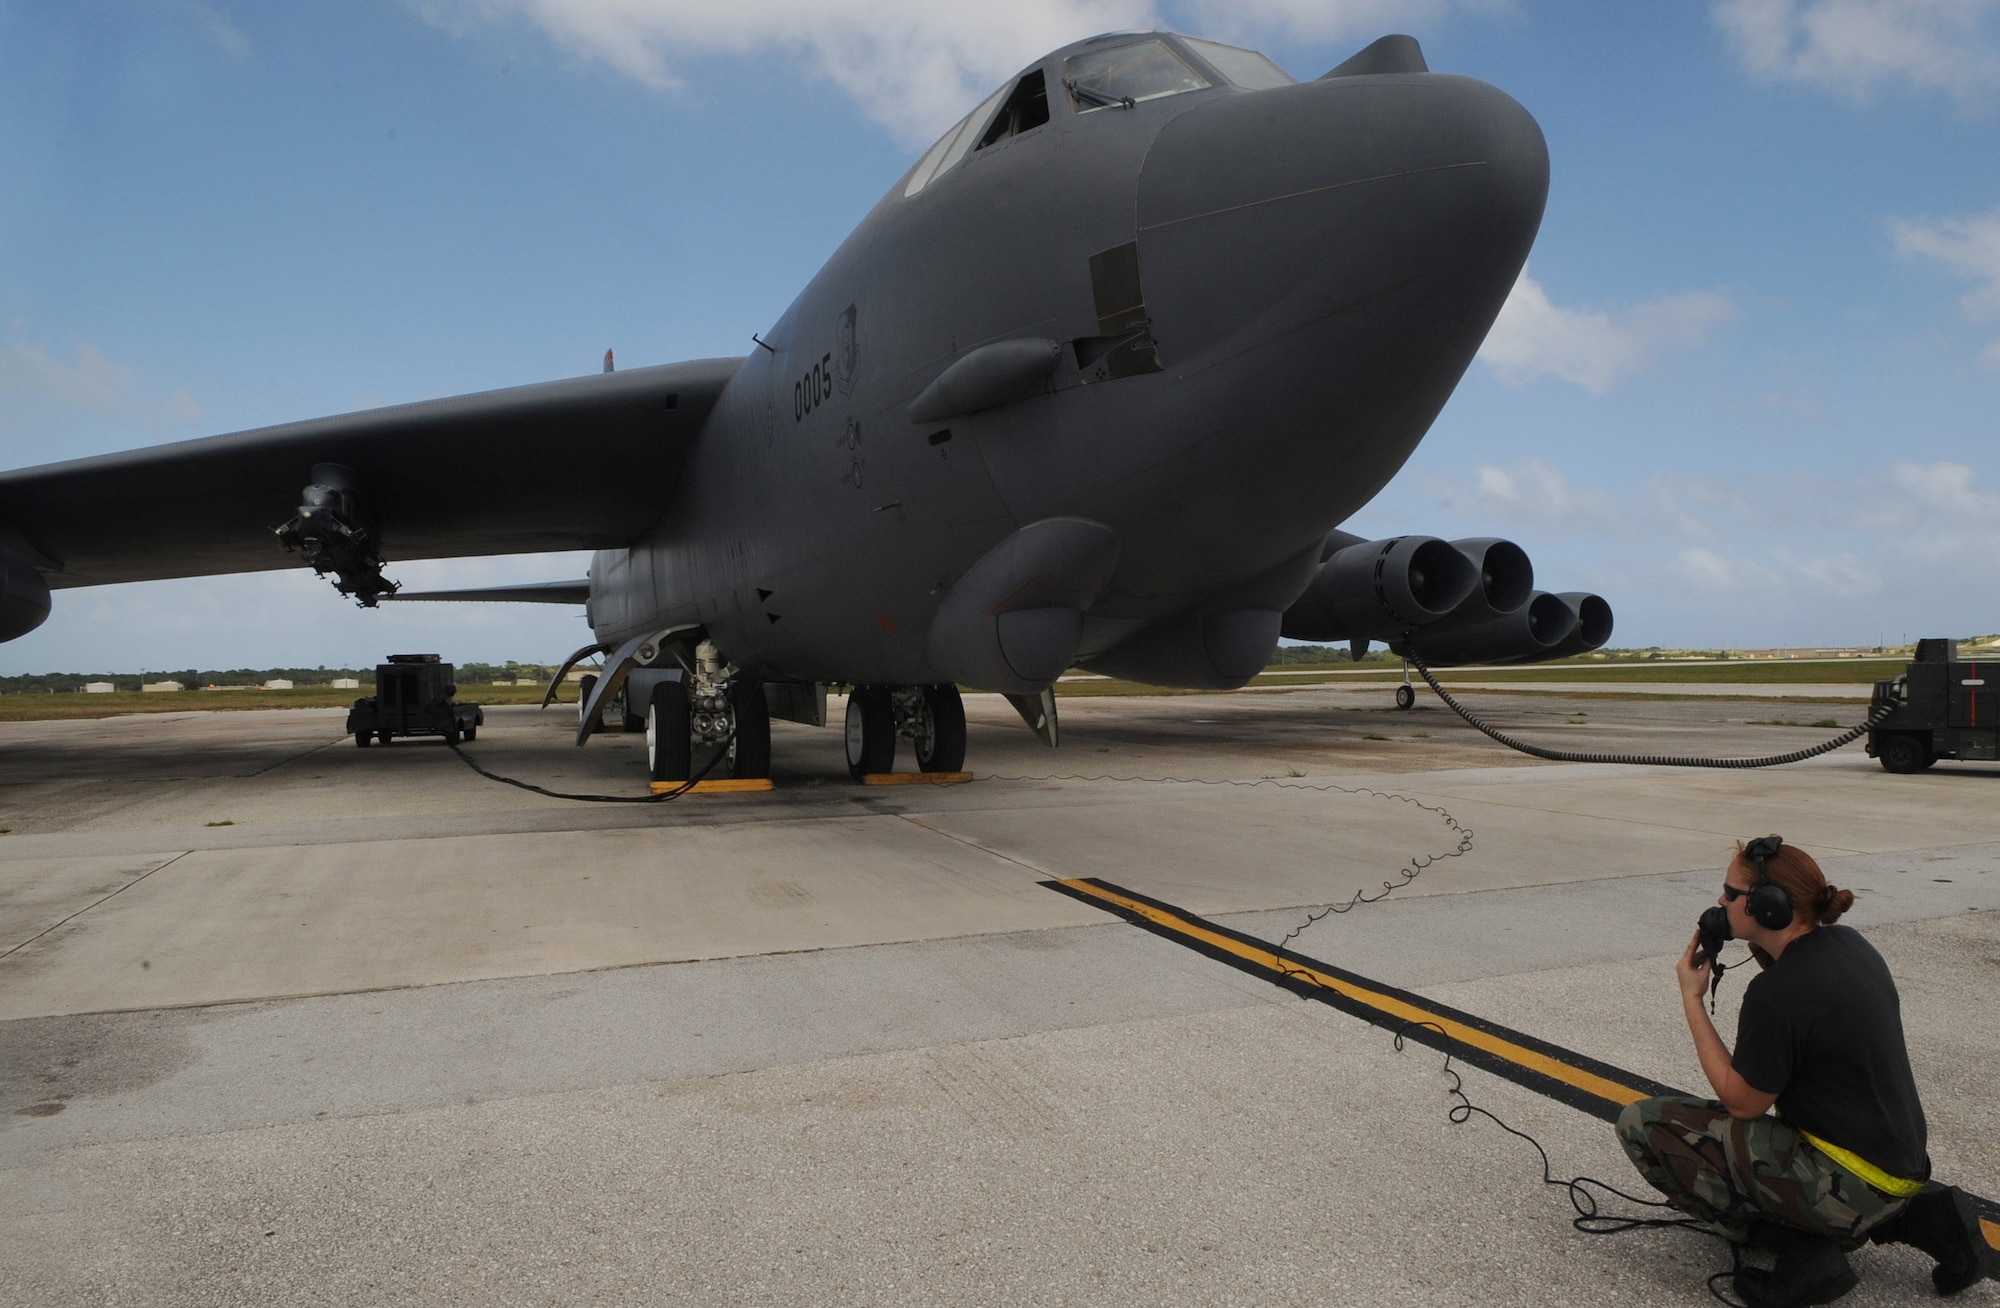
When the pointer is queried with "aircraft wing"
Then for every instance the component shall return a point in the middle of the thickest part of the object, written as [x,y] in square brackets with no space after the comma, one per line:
[584,463]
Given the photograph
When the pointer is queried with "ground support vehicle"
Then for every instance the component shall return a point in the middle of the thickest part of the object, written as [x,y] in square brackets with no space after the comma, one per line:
[1948,711]
[413,697]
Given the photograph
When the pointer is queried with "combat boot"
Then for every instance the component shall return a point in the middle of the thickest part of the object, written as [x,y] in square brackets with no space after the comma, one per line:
[1941,1222]
[1811,1269]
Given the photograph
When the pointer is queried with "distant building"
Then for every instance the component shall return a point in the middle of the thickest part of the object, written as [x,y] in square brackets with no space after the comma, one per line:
[345,683]
[98,688]
[153,687]
[278,683]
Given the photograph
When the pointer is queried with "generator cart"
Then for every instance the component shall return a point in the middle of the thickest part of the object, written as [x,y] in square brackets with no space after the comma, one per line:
[1948,711]
[413,697]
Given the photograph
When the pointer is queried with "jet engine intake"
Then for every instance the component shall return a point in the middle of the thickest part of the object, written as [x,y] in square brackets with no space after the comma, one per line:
[24,597]
[1527,634]
[1593,627]
[1379,589]
[1506,583]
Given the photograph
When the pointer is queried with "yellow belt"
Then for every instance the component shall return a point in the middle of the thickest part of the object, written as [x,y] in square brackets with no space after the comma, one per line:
[1867,1171]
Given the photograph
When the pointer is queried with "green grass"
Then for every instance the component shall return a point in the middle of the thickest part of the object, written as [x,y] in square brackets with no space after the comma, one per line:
[1734,672]
[42,708]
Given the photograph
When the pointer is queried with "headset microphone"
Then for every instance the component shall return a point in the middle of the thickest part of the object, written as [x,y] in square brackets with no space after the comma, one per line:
[1768,904]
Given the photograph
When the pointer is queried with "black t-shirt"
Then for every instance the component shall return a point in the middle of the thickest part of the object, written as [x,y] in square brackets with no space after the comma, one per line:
[1822,1028]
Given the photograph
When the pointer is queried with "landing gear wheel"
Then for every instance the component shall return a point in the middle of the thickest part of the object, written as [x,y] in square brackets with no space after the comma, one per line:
[669,740]
[1406,696]
[871,731]
[750,742]
[942,748]
[583,689]
[1903,752]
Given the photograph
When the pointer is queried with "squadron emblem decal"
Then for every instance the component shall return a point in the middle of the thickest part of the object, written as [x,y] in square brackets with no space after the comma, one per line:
[846,351]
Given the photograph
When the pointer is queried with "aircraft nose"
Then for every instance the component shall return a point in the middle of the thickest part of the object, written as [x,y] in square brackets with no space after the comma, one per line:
[1412,196]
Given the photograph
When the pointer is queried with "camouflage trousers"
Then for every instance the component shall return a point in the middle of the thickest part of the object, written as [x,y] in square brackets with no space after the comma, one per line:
[1731,1173]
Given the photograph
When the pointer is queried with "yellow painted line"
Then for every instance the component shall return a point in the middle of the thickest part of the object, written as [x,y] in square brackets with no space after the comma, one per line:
[720,786]
[1554,1069]
[916,778]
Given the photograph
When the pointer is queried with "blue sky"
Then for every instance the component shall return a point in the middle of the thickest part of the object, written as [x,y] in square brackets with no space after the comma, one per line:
[1747,389]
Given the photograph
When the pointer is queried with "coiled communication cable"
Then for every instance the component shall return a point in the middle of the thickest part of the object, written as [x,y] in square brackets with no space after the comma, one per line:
[1875,719]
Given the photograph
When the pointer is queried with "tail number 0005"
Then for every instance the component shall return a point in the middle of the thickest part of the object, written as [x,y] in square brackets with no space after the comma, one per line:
[813,389]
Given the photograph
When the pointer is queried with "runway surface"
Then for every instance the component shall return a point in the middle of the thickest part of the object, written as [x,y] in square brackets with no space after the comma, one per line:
[284,1021]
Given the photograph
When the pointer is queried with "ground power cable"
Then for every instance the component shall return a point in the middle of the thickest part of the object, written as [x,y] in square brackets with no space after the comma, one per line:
[1875,719]
[1589,1219]
[721,752]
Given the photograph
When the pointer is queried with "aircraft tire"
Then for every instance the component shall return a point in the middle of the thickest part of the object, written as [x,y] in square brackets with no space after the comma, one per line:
[584,687]
[871,731]
[669,737]
[750,748]
[947,742]
[1406,697]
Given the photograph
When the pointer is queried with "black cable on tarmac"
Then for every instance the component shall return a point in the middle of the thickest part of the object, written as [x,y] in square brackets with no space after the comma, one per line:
[1874,719]
[722,752]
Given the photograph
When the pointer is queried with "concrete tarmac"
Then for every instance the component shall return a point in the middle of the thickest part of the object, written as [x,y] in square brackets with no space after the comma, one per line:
[284,1021]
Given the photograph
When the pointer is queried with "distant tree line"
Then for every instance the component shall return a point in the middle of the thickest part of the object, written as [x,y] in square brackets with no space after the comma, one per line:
[66,683]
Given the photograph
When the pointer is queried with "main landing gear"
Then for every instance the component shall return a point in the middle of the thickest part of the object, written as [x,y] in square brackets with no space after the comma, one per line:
[930,718]
[1406,694]
[712,709]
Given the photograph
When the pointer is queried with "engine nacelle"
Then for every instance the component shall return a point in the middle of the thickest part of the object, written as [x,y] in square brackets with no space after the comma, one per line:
[1506,583]
[1379,589]
[1529,633]
[24,597]
[1593,627]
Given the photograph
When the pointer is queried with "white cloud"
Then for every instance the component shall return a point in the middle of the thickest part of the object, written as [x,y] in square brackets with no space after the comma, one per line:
[1594,348]
[93,383]
[1853,46]
[1706,570]
[1969,245]
[912,65]
[1534,493]
[1840,575]
[1677,501]
[220,30]
[1316,20]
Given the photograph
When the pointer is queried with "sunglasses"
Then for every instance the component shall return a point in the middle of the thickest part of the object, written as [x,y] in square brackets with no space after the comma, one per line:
[1730,894]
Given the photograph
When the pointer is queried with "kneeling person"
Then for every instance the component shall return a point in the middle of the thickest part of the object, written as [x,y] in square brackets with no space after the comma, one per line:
[1820,1036]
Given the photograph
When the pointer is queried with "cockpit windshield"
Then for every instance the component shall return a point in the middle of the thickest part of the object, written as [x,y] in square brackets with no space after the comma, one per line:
[1246,68]
[1127,74]
[952,146]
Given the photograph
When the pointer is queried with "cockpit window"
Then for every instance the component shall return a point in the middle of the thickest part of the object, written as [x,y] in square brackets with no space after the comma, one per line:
[1246,68]
[951,147]
[1127,74]
[1025,110]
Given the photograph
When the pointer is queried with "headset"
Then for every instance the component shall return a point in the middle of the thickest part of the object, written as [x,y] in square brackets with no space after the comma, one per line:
[1770,906]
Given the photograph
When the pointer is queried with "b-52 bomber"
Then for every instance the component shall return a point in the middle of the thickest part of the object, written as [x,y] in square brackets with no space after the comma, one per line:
[1093,385]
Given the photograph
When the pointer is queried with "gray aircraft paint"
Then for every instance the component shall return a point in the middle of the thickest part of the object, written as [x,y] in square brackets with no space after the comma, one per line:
[1310,267]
